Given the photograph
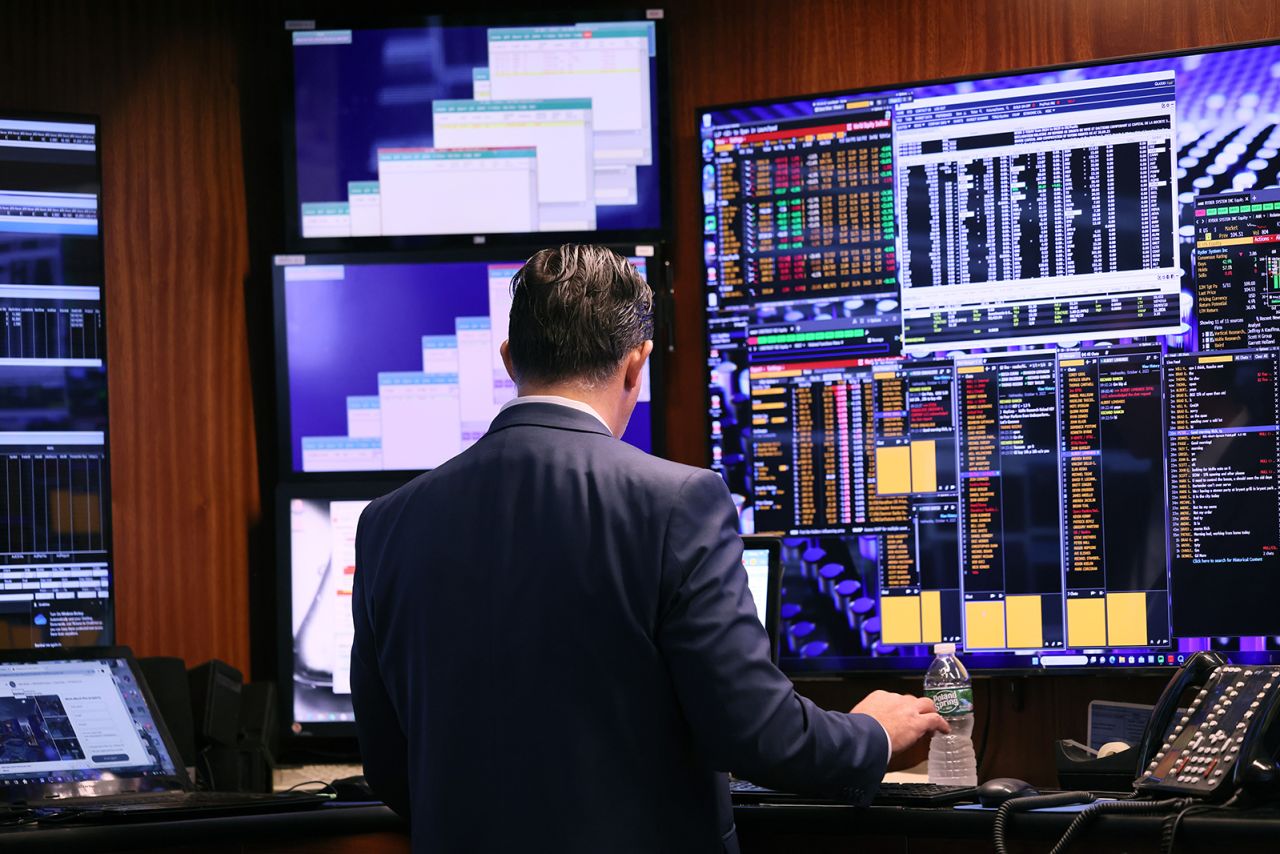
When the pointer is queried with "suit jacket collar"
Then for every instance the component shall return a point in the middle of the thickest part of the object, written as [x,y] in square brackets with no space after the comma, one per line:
[548,415]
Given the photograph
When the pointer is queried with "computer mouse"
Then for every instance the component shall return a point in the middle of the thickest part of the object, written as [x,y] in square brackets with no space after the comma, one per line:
[352,789]
[997,790]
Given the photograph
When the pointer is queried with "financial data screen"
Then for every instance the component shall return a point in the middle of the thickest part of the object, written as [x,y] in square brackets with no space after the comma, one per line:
[55,554]
[393,363]
[997,359]
[458,130]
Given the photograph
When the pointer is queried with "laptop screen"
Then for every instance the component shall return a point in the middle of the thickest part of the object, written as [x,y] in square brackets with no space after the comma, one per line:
[756,562]
[67,726]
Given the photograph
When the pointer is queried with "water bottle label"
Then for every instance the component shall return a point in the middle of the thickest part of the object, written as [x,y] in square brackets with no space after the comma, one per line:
[951,702]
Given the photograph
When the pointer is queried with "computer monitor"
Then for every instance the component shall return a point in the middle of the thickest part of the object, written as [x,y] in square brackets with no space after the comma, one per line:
[55,555]
[762,559]
[316,566]
[390,362]
[436,129]
[996,358]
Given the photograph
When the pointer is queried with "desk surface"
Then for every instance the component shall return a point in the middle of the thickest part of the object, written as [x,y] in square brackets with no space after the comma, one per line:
[812,828]
[331,828]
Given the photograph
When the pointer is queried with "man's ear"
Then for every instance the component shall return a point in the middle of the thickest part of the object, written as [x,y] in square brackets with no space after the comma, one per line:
[505,349]
[634,366]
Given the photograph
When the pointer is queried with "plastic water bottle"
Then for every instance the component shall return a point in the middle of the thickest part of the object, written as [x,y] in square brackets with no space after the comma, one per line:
[951,758]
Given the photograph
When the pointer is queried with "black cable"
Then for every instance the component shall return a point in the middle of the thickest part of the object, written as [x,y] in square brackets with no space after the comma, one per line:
[1089,813]
[1033,802]
[325,788]
[204,764]
[1169,829]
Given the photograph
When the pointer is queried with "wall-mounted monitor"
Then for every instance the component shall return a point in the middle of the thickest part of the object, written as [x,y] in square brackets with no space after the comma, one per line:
[316,561]
[56,571]
[390,363]
[437,130]
[996,358]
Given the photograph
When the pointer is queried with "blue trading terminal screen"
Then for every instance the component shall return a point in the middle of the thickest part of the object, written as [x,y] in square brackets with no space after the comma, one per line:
[392,360]
[415,130]
[997,359]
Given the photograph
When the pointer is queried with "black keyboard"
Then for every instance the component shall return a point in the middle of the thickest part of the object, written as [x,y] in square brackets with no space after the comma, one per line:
[923,794]
[889,795]
[175,805]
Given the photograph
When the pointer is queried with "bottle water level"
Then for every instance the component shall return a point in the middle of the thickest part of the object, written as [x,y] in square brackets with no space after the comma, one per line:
[951,758]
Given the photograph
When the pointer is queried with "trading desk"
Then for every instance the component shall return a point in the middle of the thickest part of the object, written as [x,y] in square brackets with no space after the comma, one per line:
[328,830]
[811,828]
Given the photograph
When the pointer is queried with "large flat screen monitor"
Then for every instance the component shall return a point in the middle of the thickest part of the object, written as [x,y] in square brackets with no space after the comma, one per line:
[55,552]
[997,358]
[317,559]
[438,129]
[390,362]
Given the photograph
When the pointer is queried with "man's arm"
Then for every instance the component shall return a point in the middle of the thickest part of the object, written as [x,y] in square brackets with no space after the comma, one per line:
[383,747]
[745,714]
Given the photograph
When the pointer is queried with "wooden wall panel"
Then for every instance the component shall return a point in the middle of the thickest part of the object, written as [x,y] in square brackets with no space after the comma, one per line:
[163,77]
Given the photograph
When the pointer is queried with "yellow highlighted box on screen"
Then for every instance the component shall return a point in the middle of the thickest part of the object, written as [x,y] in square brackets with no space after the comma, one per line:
[931,617]
[900,619]
[924,466]
[984,625]
[893,470]
[1025,622]
[1086,622]
[1126,619]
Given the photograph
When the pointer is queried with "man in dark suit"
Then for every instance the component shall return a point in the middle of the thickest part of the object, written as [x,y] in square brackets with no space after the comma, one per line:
[555,648]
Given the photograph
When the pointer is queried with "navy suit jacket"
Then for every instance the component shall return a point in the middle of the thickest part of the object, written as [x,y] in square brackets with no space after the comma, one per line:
[556,650]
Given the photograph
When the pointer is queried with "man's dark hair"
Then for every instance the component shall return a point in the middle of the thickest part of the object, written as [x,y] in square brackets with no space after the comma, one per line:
[576,311]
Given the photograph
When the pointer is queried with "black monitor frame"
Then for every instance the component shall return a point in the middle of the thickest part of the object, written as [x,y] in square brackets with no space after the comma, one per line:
[337,738]
[706,312]
[294,240]
[659,277]
[109,638]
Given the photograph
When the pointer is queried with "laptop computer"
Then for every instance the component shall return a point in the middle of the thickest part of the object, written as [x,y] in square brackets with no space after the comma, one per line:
[79,732]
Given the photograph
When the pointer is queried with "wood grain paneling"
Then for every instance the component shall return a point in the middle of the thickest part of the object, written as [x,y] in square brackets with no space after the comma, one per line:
[163,77]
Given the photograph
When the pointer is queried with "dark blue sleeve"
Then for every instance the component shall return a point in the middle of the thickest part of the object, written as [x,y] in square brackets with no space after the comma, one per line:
[383,746]
[745,715]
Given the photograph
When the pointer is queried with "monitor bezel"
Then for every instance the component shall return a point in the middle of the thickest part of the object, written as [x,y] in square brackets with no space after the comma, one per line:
[864,668]
[108,534]
[658,270]
[295,242]
[338,737]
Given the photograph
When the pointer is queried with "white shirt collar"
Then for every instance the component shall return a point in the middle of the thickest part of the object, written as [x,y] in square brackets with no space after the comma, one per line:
[557,400]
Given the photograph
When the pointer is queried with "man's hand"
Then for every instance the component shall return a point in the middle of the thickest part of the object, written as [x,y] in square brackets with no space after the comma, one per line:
[908,720]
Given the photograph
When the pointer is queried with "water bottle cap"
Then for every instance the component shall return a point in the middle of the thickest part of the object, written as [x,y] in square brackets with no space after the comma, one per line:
[944,649]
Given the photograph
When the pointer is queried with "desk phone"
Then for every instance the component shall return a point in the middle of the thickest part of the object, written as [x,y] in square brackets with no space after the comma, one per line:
[1225,740]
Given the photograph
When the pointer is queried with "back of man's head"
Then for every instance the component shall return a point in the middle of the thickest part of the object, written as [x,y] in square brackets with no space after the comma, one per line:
[576,311]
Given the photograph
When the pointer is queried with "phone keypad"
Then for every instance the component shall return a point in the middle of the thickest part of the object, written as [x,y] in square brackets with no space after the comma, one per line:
[1200,748]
